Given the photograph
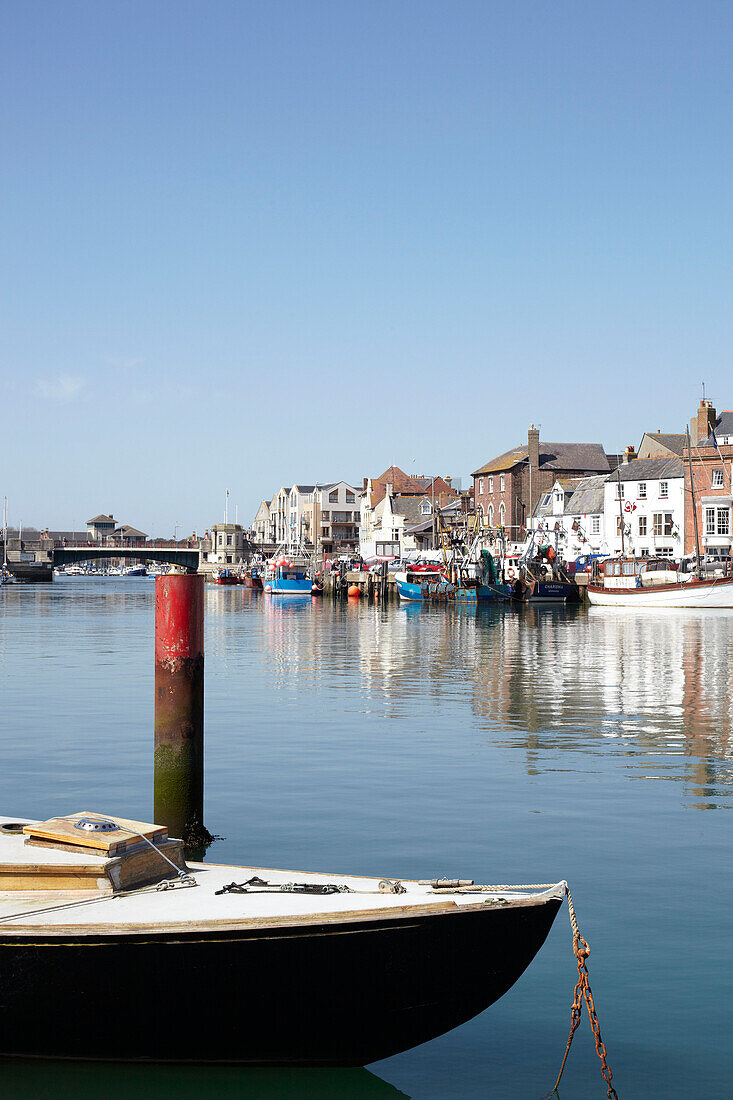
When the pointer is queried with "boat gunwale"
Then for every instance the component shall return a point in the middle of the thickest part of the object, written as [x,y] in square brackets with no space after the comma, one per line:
[435,907]
[672,586]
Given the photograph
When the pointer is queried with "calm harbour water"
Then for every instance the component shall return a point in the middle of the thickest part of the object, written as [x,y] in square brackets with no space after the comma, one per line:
[504,745]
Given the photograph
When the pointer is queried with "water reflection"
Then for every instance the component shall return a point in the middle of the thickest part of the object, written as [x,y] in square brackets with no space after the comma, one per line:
[653,689]
[23,1080]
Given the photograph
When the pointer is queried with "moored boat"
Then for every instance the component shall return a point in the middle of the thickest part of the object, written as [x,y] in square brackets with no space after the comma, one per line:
[288,577]
[134,956]
[424,585]
[653,582]
[227,576]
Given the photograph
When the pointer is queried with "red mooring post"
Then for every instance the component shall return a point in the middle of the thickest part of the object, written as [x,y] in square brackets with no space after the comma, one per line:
[179,705]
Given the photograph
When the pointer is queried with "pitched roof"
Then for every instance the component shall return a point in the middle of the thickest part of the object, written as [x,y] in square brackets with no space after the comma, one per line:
[583,496]
[553,456]
[102,519]
[671,441]
[132,532]
[650,469]
[587,498]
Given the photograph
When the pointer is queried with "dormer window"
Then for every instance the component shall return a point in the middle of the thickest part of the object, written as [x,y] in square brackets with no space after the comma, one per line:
[425,508]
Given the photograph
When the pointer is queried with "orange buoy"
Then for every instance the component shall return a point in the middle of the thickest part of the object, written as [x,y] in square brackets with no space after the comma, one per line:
[354,590]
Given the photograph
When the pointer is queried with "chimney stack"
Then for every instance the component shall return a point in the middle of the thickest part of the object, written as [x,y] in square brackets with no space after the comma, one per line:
[703,423]
[629,454]
[533,446]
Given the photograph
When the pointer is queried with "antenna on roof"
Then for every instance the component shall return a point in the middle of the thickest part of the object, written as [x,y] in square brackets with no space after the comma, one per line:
[703,391]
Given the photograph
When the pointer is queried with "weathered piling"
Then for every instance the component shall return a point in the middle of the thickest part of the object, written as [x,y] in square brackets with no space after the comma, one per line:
[179,705]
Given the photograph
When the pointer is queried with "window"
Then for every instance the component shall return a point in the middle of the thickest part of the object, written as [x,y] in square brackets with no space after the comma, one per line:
[491,515]
[229,540]
[662,523]
[595,525]
[425,508]
[717,479]
[491,484]
[333,498]
[642,490]
[644,552]
[619,490]
[325,515]
[665,551]
[619,525]
[221,539]
[642,525]
[350,498]
[546,499]
[723,521]
[709,521]
[480,486]
[664,489]
[502,511]
[502,483]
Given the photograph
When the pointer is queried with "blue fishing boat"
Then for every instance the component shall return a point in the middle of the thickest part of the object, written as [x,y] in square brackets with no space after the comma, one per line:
[423,585]
[288,578]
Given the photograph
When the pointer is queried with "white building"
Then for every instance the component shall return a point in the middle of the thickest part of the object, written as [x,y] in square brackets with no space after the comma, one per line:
[647,496]
[227,543]
[574,510]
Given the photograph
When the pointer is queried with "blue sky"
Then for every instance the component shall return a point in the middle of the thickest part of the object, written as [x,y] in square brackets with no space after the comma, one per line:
[246,244]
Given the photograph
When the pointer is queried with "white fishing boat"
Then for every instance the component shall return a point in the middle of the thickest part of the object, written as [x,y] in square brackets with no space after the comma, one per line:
[130,954]
[653,582]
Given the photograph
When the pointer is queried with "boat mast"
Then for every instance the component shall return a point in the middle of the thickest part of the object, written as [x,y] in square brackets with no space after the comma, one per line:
[698,565]
[5,535]
[620,510]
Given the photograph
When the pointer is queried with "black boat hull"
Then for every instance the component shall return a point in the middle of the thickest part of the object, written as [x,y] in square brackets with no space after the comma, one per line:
[331,994]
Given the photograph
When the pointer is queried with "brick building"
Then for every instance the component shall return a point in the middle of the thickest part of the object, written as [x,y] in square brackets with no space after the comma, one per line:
[711,437]
[508,487]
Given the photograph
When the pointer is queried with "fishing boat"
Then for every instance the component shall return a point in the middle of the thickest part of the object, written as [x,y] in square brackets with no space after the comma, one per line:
[113,947]
[653,582]
[424,584]
[227,576]
[288,577]
[136,571]
[252,578]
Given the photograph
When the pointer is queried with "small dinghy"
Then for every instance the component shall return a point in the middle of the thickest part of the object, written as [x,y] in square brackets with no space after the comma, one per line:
[112,947]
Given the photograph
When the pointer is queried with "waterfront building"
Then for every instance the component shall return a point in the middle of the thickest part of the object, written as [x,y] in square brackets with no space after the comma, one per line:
[711,438]
[228,543]
[321,517]
[331,515]
[574,509]
[507,488]
[261,523]
[646,497]
[394,507]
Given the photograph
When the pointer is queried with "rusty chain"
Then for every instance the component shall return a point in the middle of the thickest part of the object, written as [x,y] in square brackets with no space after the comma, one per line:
[582,992]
